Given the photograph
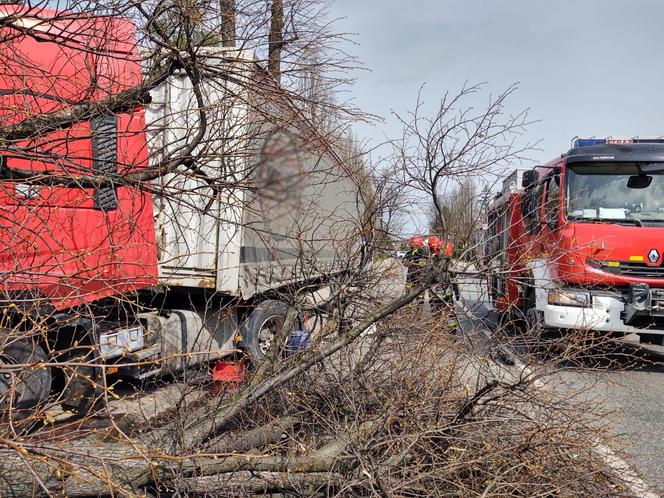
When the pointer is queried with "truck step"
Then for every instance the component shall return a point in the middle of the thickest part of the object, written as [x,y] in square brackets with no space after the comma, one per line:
[149,373]
[146,353]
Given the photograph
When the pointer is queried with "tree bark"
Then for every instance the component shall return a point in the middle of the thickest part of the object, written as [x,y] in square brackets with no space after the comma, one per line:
[261,482]
[92,468]
[260,436]
[276,39]
[227,8]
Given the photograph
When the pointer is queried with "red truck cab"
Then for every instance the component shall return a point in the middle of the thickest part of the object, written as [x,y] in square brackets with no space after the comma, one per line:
[580,243]
[66,245]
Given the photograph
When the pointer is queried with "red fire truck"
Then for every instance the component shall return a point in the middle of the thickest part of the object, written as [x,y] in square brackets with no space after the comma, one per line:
[148,279]
[578,243]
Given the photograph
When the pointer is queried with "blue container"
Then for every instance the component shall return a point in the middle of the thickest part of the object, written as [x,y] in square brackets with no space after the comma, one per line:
[299,339]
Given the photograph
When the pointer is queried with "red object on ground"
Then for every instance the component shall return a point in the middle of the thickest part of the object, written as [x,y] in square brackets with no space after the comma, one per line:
[233,372]
[416,241]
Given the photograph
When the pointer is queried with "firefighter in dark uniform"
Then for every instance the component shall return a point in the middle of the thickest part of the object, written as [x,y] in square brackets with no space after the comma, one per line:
[443,293]
[416,259]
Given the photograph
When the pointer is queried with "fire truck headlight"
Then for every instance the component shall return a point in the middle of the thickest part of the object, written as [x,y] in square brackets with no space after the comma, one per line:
[570,297]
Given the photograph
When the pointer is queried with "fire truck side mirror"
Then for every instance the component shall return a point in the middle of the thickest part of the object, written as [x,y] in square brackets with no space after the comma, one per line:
[529,178]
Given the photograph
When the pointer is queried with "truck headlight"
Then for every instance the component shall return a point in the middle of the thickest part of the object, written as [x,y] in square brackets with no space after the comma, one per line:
[568,297]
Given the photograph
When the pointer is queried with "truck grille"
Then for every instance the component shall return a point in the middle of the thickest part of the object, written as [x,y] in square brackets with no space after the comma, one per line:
[629,268]
[641,270]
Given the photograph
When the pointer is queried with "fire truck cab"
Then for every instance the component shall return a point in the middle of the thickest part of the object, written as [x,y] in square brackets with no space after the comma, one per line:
[578,243]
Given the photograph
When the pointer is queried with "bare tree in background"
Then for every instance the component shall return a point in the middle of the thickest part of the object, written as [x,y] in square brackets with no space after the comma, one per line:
[436,152]
[461,216]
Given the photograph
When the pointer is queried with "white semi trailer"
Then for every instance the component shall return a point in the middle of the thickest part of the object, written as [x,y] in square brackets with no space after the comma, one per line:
[291,213]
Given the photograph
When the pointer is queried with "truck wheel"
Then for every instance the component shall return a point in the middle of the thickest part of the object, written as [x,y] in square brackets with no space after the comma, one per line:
[261,326]
[78,384]
[22,390]
[76,376]
[544,341]
[532,316]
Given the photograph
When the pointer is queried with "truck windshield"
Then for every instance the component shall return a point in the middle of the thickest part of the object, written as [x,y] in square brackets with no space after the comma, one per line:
[601,193]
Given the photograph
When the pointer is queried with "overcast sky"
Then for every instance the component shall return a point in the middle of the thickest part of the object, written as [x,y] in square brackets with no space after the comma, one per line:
[584,67]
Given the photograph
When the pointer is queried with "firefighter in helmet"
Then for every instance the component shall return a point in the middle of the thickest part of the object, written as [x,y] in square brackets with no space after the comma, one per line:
[416,260]
[435,246]
[444,291]
[438,248]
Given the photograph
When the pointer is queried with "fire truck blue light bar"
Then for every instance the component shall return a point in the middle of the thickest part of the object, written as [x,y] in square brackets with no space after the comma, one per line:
[587,142]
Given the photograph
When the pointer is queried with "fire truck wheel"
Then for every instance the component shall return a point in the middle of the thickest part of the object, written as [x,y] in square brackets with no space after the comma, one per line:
[533,317]
[261,326]
[22,389]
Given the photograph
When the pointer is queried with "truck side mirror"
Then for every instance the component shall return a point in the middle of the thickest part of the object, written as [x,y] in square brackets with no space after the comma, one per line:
[529,178]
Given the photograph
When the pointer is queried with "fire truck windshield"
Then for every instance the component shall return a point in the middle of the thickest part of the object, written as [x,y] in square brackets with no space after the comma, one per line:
[604,192]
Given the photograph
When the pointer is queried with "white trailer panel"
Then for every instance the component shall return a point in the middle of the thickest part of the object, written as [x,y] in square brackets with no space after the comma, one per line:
[197,227]
[298,223]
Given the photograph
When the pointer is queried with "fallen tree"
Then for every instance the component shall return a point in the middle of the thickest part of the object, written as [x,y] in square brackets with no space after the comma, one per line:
[419,418]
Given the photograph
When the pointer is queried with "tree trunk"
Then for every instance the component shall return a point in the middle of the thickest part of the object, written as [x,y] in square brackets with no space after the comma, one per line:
[95,468]
[261,482]
[227,11]
[276,39]
[255,438]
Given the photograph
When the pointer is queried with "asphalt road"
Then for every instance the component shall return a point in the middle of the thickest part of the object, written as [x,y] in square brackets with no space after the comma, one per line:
[624,379]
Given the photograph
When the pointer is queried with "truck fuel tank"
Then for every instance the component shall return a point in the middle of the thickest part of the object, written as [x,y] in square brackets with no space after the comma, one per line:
[186,338]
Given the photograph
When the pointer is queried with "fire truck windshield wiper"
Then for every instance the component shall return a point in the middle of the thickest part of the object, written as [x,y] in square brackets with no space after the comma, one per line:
[622,221]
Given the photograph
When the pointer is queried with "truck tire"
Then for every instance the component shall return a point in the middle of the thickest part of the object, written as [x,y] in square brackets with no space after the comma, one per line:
[22,391]
[532,316]
[76,376]
[260,327]
[545,341]
[80,383]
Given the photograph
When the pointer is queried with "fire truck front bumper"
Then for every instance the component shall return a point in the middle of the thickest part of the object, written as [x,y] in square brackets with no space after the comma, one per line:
[639,309]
